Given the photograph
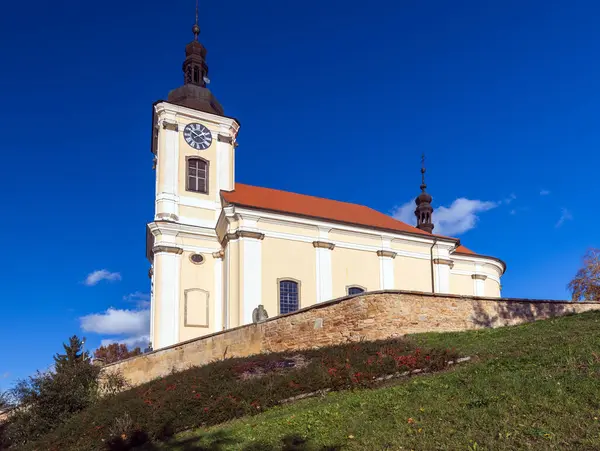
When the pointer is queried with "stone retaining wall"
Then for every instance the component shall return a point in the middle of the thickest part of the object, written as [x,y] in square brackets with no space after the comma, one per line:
[370,316]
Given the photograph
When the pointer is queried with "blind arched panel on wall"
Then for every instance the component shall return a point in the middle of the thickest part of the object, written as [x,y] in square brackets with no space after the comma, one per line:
[197,175]
[289,296]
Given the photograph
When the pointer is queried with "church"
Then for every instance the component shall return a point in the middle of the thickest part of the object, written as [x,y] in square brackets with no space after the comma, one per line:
[219,249]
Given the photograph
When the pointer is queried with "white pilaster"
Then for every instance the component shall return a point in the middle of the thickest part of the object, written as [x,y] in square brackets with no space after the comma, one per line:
[386,270]
[218,300]
[224,164]
[324,275]
[478,281]
[252,275]
[441,268]
[152,305]
[167,201]
[167,269]
[227,272]
[442,277]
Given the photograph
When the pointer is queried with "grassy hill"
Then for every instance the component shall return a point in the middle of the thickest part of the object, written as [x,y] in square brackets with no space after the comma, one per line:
[535,386]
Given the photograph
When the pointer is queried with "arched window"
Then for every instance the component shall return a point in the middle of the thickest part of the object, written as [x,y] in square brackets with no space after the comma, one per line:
[289,296]
[197,175]
[355,290]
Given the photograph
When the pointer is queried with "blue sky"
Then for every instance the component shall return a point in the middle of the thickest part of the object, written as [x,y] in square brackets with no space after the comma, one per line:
[336,99]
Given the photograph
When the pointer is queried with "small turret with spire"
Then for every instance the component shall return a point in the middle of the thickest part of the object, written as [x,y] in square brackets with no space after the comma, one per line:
[424,210]
[194,93]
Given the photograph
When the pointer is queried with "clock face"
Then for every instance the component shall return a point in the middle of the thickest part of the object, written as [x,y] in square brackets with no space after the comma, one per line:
[197,136]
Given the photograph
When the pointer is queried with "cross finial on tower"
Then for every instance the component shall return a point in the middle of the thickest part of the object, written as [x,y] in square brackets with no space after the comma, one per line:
[196,27]
[423,186]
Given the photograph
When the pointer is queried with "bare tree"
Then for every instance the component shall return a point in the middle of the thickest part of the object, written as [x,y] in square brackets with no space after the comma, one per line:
[586,284]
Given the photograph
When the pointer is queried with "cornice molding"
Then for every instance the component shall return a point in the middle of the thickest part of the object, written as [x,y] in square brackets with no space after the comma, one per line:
[443,261]
[283,219]
[166,217]
[492,261]
[224,139]
[170,126]
[242,234]
[175,229]
[167,249]
[323,245]
[382,253]
[478,276]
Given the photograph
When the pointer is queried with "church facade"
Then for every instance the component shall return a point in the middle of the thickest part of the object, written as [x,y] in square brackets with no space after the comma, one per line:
[219,249]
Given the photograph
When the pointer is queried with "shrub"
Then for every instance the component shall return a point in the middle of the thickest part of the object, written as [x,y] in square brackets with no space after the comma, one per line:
[48,399]
[232,388]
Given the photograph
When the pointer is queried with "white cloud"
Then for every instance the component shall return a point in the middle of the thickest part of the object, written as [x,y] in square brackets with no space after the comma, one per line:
[513,212]
[5,375]
[117,322]
[101,274]
[565,215]
[406,213]
[460,217]
[544,192]
[141,341]
[142,300]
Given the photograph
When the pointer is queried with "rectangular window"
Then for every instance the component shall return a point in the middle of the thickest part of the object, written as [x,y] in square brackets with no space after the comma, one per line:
[197,175]
[289,296]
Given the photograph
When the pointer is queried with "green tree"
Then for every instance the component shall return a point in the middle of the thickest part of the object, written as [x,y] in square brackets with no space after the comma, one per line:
[50,398]
[74,354]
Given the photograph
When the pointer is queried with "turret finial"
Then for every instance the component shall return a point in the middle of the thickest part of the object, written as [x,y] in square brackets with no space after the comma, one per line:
[196,27]
[423,185]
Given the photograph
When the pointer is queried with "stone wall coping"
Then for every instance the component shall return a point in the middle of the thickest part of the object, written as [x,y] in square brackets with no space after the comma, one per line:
[344,298]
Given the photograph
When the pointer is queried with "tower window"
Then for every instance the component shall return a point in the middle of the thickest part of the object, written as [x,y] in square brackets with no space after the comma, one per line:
[289,296]
[196,74]
[355,290]
[197,175]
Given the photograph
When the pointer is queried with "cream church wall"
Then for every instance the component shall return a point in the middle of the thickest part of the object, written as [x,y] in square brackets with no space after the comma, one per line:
[354,267]
[348,237]
[460,265]
[412,273]
[285,259]
[461,284]
[492,288]
[191,215]
[412,247]
[290,228]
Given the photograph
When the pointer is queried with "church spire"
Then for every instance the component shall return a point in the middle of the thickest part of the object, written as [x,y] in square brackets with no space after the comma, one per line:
[194,93]
[424,209]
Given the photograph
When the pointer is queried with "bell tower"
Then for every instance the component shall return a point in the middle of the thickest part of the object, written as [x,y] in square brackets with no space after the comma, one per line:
[424,210]
[194,93]
[193,143]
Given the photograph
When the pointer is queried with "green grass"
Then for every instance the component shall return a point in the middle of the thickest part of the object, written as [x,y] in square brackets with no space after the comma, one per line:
[535,386]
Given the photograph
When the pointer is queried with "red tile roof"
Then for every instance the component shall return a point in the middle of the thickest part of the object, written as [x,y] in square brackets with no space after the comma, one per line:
[318,207]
